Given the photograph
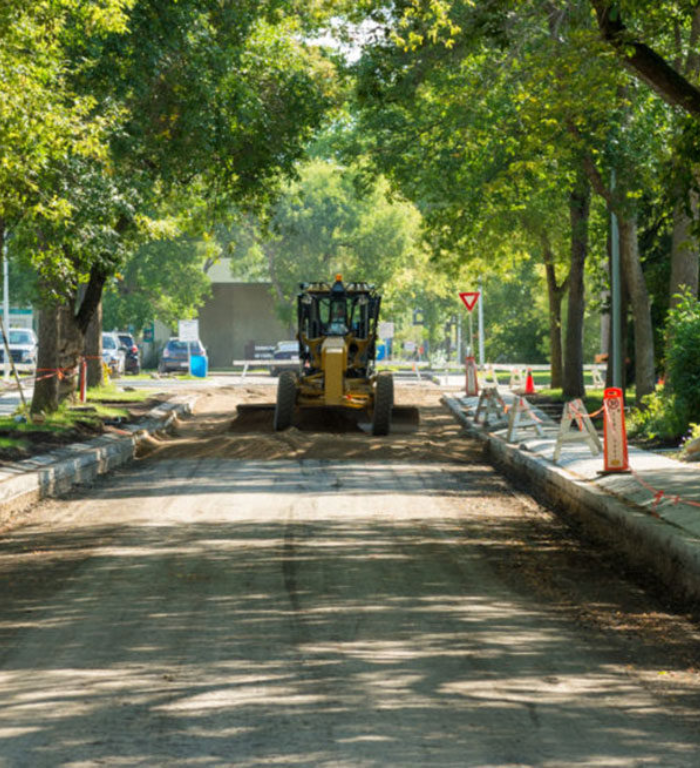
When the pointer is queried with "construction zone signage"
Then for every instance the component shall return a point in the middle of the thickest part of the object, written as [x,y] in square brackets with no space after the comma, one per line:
[469,298]
[615,442]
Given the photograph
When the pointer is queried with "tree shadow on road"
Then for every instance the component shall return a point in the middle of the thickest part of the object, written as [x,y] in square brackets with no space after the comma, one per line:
[312,639]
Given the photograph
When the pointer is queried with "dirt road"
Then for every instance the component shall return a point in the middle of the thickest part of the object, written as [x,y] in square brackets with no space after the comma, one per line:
[240,598]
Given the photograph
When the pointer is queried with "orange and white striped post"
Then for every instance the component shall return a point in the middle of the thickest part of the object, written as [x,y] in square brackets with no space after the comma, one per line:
[615,453]
[83,380]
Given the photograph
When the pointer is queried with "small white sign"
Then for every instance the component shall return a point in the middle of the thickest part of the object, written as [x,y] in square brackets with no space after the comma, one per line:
[409,346]
[188,330]
[386,330]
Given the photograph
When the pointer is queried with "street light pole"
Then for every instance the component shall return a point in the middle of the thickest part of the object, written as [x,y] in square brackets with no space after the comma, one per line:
[481,325]
[5,302]
[615,295]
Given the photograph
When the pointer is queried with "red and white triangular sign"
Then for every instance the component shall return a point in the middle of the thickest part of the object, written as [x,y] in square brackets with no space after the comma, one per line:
[470,298]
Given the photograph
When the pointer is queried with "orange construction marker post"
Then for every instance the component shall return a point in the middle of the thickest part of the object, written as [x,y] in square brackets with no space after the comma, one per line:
[529,383]
[614,432]
[83,380]
[472,387]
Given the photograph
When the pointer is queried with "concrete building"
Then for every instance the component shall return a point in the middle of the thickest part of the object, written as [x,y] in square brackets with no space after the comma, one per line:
[237,317]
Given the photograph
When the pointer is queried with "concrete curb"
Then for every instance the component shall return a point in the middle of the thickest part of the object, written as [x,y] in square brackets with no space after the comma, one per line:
[26,482]
[647,543]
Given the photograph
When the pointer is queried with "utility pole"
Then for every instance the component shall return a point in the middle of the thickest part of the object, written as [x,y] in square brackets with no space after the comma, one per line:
[481,325]
[5,302]
[615,295]
[459,338]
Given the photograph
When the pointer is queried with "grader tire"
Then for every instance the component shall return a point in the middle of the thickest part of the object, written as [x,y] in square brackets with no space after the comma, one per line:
[286,400]
[383,403]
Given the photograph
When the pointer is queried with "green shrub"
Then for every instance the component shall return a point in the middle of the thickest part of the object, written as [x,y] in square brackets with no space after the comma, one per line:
[683,355]
[660,417]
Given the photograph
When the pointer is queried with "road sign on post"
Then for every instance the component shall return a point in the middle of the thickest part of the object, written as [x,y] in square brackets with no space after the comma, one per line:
[386,330]
[188,330]
[469,298]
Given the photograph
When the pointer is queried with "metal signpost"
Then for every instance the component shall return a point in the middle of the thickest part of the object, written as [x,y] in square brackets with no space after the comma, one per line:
[5,305]
[188,330]
[470,298]
[481,326]
[615,296]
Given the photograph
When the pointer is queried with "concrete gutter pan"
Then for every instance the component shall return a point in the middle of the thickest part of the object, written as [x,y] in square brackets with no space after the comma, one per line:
[648,516]
[26,482]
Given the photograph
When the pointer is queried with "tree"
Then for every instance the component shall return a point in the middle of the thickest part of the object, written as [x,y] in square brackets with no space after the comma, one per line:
[453,127]
[461,94]
[324,224]
[190,95]
[646,63]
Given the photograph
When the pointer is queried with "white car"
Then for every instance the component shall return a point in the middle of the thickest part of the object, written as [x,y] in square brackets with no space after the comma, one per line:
[114,353]
[23,349]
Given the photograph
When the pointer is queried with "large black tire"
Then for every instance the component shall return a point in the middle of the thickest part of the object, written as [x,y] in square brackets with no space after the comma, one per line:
[383,403]
[286,400]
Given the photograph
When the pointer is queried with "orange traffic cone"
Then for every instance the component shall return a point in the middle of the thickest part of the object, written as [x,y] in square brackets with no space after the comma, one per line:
[529,383]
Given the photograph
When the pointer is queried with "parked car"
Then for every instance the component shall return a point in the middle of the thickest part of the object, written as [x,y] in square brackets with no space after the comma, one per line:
[132,364]
[23,348]
[113,353]
[285,350]
[176,355]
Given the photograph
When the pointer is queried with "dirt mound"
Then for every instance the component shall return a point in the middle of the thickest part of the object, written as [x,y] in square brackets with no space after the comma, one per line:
[236,423]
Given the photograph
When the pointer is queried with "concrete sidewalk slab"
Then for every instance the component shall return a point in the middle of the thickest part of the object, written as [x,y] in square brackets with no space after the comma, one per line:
[651,515]
[25,482]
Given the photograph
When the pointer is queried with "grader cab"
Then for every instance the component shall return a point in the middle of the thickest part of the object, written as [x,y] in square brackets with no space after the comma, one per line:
[337,334]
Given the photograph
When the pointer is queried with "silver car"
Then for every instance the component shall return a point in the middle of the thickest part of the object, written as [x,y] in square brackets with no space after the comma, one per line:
[23,349]
[113,353]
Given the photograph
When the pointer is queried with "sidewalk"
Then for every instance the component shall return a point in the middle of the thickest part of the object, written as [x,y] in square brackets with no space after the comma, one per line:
[651,515]
[23,483]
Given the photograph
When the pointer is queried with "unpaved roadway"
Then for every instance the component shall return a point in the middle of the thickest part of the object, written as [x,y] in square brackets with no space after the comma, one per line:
[240,598]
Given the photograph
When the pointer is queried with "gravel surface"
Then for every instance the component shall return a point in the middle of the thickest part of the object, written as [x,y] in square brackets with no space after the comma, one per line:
[325,598]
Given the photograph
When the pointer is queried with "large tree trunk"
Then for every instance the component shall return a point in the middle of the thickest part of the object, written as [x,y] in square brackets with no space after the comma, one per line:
[645,379]
[684,250]
[555,294]
[71,344]
[93,349]
[579,209]
[62,344]
[45,398]
[555,348]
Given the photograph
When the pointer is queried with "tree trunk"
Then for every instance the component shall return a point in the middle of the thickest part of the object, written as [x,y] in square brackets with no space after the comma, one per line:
[579,209]
[71,345]
[46,387]
[684,250]
[93,349]
[645,379]
[555,293]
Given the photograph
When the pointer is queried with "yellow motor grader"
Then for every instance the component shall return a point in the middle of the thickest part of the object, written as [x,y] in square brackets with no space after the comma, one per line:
[337,334]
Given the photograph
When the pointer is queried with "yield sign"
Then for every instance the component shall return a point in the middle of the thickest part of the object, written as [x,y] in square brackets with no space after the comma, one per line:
[470,299]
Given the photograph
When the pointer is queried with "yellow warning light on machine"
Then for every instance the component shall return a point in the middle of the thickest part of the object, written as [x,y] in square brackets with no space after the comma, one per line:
[338,278]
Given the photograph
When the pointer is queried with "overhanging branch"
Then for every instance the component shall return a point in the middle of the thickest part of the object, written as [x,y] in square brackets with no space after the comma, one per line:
[645,62]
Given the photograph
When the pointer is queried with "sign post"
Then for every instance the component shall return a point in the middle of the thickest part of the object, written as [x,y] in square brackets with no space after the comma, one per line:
[188,330]
[481,326]
[614,433]
[469,298]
